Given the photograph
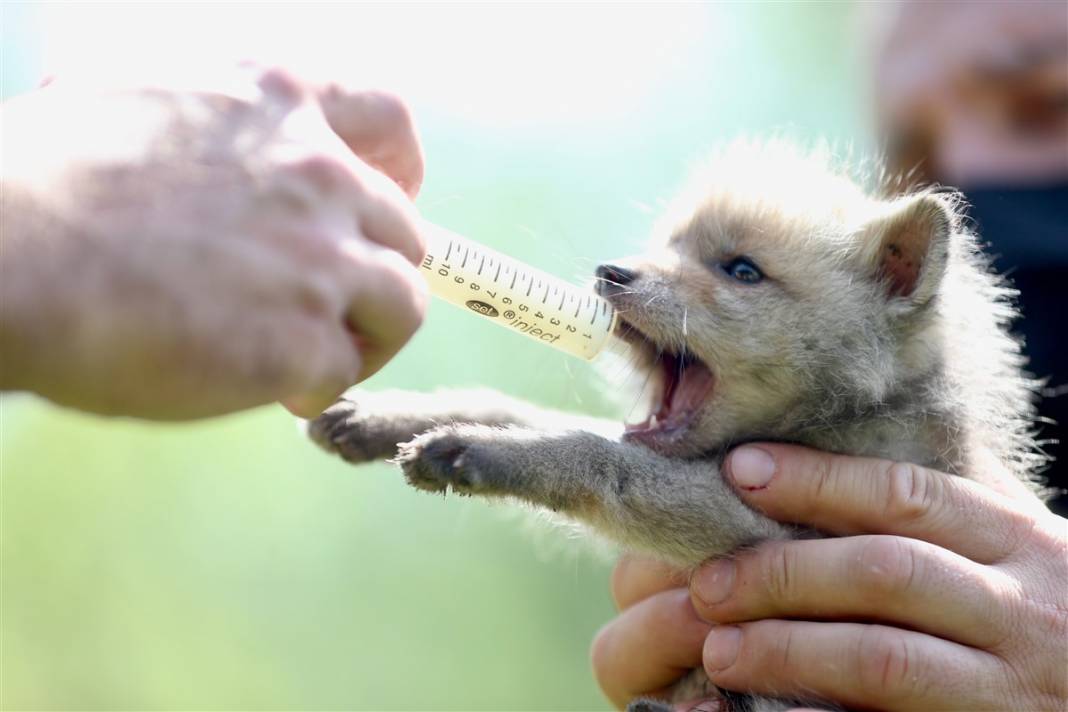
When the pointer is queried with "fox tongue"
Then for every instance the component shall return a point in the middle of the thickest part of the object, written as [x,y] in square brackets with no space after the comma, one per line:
[687,392]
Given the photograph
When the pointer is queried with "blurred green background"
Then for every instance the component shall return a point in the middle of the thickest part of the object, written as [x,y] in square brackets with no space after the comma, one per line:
[228,564]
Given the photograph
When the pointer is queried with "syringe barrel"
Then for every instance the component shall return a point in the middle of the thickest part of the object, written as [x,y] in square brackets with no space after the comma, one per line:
[513,295]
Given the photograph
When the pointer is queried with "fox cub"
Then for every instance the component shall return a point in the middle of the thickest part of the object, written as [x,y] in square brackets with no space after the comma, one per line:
[779,301]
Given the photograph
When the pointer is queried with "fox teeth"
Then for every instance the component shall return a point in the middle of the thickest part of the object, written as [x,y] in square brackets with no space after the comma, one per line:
[652,421]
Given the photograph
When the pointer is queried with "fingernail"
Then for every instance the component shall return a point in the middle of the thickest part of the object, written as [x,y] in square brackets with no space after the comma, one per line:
[751,468]
[721,648]
[712,582]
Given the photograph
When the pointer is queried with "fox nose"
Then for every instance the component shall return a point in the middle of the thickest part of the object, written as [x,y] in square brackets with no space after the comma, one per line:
[611,277]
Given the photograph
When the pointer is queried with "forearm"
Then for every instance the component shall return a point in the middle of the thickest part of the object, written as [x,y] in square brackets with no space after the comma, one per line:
[680,510]
[489,407]
[369,425]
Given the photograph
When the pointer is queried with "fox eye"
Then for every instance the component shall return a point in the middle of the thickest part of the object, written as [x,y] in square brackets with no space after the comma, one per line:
[743,270]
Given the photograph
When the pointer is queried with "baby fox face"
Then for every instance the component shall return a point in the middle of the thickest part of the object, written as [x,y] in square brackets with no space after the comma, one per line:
[768,306]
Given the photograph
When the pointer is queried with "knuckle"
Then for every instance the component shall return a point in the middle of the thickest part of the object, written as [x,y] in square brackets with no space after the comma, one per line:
[886,664]
[886,566]
[822,482]
[282,84]
[324,173]
[1023,533]
[1037,678]
[318,297]
[912,492]
[787,650]
[778,564]
[770,645]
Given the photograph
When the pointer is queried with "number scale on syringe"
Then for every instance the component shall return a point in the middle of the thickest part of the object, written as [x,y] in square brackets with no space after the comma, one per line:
[514,295]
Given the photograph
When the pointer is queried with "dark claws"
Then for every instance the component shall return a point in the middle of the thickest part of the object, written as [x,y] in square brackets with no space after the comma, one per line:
[439,464]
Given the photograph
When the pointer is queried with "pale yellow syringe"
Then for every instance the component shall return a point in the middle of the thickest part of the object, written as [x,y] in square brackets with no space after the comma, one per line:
[514,295]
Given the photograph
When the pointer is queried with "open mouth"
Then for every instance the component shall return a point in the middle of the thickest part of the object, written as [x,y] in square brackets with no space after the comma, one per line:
[685,385]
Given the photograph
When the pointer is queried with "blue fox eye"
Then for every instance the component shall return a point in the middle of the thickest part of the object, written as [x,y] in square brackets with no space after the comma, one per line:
[743,270]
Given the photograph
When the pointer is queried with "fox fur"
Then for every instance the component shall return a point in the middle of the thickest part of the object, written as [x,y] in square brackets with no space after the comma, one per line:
[876,328]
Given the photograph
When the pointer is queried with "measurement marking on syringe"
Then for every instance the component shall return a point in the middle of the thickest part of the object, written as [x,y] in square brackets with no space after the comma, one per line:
[464,270]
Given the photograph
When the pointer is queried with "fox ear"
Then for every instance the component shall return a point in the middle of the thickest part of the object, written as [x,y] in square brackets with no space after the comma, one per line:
[907,248]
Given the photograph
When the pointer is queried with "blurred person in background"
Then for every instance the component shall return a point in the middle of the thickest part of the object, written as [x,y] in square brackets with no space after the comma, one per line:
[178,253]
[974,96]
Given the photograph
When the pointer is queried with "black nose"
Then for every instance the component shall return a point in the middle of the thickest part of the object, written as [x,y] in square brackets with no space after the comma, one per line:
[611,277]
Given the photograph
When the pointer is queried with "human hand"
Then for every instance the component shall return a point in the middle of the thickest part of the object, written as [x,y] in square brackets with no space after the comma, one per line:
[175,253]
[939,594]
[974,95]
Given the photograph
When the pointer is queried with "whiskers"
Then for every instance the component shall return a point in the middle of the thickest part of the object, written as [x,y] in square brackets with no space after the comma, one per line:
[644,386]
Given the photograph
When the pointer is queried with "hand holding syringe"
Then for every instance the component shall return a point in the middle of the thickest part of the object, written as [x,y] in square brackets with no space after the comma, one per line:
[514,295]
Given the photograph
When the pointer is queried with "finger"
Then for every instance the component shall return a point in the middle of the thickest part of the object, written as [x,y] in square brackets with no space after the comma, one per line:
[851,664]
[387,302]
[852,495]
[333,185]
[635,578]
[278,83]
[648,647]
[309,405]
[331,363]
[386,217]
[874,578]
[377,126]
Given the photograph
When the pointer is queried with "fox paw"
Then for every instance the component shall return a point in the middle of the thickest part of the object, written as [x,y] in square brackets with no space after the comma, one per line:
[450,457]
[352,430]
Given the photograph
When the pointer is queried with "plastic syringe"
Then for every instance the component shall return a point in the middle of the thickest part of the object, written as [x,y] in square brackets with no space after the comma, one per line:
[515,296]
